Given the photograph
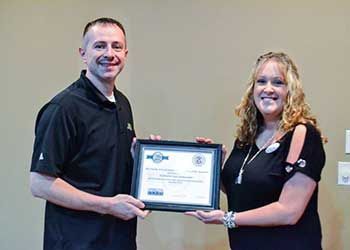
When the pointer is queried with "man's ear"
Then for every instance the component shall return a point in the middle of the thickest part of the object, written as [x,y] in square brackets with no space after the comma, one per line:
[126,53]
[82,54]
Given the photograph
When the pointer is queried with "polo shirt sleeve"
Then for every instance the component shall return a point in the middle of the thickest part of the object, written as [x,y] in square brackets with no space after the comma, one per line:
[312,156]
[54,134]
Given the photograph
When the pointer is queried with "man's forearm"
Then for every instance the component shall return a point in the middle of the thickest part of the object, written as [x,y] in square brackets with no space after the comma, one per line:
[62,193]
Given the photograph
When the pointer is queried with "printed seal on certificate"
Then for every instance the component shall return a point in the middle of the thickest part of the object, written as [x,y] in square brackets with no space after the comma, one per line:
[177,176]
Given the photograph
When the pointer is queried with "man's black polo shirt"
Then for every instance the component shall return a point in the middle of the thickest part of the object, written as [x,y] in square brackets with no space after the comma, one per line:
[85,139]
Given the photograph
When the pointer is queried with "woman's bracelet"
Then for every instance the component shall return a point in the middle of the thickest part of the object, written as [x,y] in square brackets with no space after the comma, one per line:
[229,219]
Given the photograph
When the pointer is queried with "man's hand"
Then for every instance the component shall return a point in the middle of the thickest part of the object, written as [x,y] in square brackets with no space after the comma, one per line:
[133,144]
[155,137]
[126,207]
[132,149]
[63,194]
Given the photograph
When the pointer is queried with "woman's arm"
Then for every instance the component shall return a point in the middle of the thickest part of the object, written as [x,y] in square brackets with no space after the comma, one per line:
[292,202]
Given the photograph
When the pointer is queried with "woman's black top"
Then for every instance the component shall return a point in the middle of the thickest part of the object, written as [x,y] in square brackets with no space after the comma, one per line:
[262,183]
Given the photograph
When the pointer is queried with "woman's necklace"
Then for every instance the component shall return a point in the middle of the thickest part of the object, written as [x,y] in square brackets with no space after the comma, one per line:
[241,170]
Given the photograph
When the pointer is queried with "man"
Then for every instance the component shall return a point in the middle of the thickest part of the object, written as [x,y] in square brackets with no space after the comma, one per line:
[82,164]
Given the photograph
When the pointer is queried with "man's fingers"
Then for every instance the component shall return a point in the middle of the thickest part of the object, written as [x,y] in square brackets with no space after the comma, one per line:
[138,212]
[137,203]
[132,148]
[143,213]
[155,137]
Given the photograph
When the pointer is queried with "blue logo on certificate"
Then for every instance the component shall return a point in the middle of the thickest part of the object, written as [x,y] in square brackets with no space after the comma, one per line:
[155,191]
[157,157]
[198,160]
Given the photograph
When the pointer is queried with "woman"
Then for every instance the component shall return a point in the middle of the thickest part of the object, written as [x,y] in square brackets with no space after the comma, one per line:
[271,177]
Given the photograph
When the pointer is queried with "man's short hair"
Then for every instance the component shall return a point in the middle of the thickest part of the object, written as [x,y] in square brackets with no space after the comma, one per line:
[103,20]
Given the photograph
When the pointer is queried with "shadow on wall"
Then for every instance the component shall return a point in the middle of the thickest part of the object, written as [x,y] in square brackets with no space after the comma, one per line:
[334,219]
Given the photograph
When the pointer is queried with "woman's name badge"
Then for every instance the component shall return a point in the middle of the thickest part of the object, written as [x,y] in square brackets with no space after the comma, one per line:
[272,148]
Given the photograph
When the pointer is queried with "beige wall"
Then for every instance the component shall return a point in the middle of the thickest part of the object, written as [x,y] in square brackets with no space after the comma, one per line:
[187,68]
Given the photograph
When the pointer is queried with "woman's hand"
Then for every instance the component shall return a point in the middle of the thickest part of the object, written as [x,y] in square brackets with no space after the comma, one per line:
[211,217]
[205,140]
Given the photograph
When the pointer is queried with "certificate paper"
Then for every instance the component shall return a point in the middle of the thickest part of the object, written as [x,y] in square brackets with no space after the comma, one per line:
[177,176]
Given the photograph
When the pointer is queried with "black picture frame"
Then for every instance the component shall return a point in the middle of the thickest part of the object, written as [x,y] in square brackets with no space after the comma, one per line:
[160,149]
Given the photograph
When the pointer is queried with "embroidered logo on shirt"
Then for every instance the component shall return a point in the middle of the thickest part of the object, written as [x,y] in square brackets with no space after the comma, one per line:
[41,157]
[129,127]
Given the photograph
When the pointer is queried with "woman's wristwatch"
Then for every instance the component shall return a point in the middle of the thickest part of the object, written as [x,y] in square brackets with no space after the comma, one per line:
[229,219]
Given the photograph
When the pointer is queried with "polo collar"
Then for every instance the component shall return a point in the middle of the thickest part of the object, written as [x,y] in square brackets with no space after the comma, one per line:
[96,94]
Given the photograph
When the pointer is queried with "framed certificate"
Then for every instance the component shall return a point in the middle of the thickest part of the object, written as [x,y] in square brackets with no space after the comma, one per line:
[177,176]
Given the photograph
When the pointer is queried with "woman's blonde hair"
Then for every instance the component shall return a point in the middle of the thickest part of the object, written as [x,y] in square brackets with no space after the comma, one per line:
[295,109]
